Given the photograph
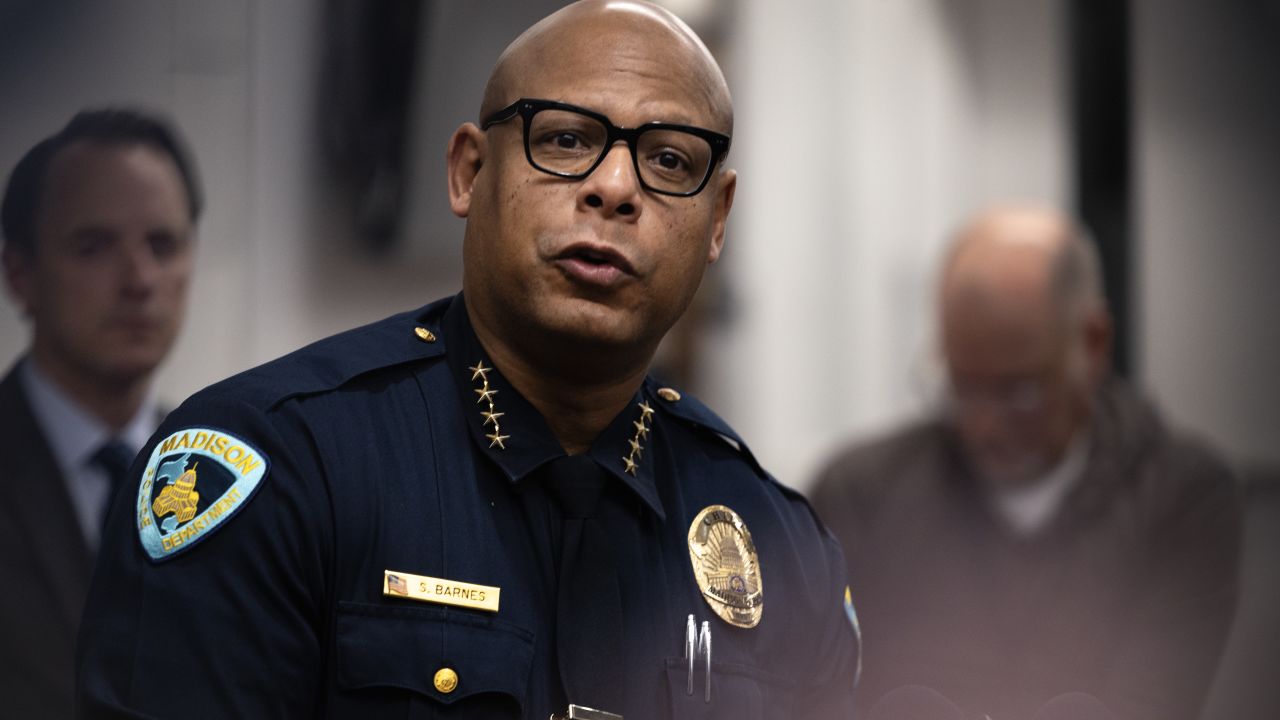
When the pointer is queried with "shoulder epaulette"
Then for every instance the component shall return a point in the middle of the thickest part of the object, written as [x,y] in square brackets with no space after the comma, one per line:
[691,411]
[329,363]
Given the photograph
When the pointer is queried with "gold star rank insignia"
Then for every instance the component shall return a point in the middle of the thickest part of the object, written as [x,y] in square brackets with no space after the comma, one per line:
[479,371]
[484,395]
[630,463]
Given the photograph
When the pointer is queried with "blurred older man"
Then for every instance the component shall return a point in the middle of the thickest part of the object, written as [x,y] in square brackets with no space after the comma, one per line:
[1046,537]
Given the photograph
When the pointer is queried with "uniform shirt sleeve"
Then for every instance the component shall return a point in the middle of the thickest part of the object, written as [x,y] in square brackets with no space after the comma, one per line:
[229,627]
[837,652]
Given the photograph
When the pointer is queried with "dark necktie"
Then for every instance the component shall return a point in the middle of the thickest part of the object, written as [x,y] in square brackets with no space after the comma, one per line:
[588,599]
[114,458]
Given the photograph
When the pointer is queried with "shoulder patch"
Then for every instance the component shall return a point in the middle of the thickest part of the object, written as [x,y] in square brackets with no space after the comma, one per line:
[194,481]
[852,614]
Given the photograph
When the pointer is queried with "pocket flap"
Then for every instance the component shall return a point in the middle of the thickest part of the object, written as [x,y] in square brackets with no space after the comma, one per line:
[737,691]
[405,647]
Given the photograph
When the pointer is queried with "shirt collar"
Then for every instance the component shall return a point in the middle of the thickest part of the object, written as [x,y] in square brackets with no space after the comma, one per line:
[512,433]
[1030,508]
[73,433]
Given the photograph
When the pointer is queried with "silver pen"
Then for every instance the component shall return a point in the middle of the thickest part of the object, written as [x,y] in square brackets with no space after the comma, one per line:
[690,649]
[704,646]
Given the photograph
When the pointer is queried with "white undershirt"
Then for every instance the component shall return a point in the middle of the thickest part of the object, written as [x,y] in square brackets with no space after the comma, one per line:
[1028,509]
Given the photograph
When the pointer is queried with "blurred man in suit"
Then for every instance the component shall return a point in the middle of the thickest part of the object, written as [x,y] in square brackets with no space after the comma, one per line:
[99,223]
[1046,536]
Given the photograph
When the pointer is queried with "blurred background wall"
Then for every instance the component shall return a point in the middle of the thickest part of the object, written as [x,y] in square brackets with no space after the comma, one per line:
[866,131]
[1207,133]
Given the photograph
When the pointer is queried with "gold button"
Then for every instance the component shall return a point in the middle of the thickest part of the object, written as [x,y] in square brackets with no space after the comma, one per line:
[446,680]
[668,394]
[424,334]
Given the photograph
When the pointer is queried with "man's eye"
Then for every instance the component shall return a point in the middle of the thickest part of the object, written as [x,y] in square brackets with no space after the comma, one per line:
[89,248]
[567,141]
[164,244]
[670,161]
[90,243]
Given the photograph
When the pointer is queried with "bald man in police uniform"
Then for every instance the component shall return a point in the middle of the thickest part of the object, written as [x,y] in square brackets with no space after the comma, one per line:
[484,507]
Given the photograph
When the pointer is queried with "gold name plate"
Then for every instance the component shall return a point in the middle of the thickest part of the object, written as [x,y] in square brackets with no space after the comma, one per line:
[439,590]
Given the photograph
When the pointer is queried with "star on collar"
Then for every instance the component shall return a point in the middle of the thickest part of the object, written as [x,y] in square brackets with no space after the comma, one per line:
[485,394]
[630,463]
[479,371]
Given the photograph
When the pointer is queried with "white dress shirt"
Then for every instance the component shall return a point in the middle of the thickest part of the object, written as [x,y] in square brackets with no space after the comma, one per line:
[74,435]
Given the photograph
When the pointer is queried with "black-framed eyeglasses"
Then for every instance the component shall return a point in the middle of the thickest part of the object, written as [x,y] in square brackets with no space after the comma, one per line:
[570,142]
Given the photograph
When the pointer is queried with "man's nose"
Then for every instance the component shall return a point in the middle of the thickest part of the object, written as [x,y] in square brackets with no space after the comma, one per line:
[613,188]
[981,417]
[140,267]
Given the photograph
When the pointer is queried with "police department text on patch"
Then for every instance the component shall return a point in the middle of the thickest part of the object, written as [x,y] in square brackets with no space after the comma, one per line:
[195,479]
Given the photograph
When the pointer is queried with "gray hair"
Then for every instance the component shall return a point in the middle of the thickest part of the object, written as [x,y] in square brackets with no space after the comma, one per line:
[1077,276]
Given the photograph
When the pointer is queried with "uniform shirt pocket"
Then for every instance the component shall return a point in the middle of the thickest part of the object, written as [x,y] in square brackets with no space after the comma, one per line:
[738,691]
[454,658]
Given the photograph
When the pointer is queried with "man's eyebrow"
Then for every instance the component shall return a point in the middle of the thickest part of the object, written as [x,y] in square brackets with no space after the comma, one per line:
[92,230]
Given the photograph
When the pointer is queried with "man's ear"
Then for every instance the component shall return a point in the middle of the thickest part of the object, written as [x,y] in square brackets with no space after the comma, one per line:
[1097,345]
[724,202]
[465,156]
[18,275]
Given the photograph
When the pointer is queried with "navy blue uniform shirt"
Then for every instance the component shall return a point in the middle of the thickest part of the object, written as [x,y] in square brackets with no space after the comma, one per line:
[244,571]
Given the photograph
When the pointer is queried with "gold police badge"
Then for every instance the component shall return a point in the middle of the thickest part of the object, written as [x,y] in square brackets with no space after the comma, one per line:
[726,566]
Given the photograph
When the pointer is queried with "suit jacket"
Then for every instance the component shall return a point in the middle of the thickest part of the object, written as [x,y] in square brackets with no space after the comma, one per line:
[1127,595]
[44,567]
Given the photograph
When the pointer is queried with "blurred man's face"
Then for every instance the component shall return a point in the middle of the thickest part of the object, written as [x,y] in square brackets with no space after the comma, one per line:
[598,260]
[107,283]
[1019,388]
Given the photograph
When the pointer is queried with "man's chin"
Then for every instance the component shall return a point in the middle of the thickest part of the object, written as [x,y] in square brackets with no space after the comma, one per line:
[589,322]
[1009,473]
[126,368]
